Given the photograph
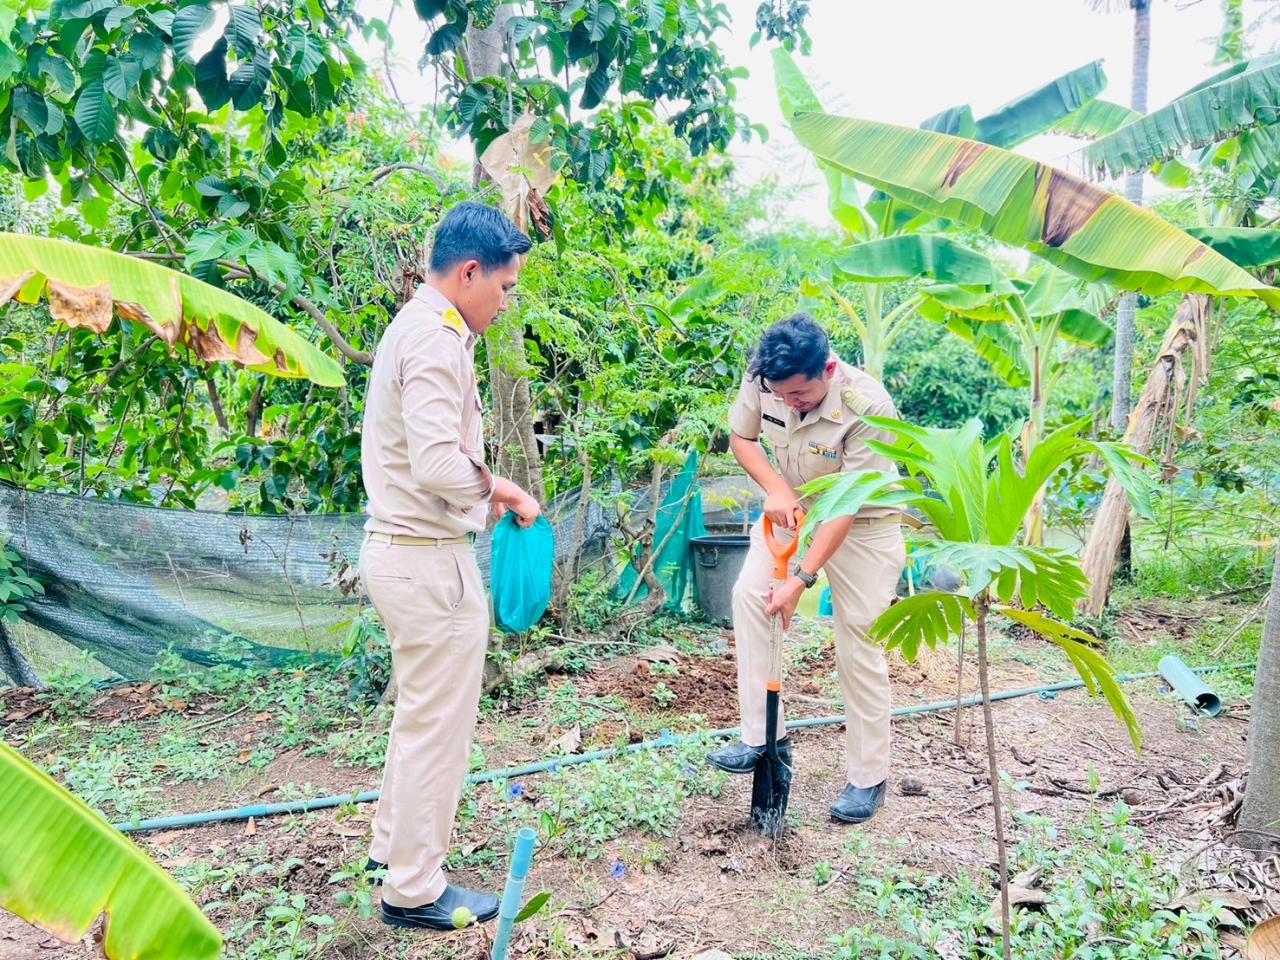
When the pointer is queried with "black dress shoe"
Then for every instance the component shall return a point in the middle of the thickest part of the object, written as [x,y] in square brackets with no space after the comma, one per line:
[737,757]
[858,804]
[373,866]
[439,915]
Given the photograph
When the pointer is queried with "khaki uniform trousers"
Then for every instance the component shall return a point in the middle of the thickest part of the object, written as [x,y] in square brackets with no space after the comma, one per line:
[431,601]
[862,574]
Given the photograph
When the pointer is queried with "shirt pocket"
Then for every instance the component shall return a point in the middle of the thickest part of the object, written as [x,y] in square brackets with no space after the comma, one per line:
[819,459]
[777,440]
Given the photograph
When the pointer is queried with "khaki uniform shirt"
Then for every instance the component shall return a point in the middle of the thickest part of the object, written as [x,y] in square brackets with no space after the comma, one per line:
[828,438]
[422,444]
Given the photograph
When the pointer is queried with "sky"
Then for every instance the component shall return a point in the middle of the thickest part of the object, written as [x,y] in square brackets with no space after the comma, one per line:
[900,61]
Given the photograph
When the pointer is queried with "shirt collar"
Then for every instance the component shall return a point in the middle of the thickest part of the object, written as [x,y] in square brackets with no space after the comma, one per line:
[832,408]
[439,303]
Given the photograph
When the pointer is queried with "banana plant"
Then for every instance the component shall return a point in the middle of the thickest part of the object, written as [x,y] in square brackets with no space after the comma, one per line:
[1018,326]
[976,499]
[62,866]
[87,287]
[1073,224]
[881,218]
[1242,97]
[1227,129]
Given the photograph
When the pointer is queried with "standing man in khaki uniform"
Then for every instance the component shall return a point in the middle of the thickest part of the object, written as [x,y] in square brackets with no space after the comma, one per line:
[429,495]
[809,405]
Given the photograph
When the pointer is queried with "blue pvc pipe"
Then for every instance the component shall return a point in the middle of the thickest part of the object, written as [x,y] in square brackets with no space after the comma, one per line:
[513,894]
[665,739]
[1189,686]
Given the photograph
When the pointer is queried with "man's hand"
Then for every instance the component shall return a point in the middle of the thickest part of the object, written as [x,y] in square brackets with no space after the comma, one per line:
[781,507]
[784,599]
[507,496]
[526,509]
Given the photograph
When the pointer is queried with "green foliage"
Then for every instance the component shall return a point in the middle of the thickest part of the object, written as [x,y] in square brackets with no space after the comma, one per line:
[937,380]
[1106,899]
[75,867]
[367,659]
[16,585]
[661,52]
[977,499]
[581,808]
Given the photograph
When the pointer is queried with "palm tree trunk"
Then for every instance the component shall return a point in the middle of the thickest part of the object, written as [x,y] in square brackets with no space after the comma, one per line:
[1126,312]
[1259,827]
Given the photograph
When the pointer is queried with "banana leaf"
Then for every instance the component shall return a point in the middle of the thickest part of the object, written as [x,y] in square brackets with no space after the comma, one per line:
[1030,115]
[918,255]
[1095,119]
[1248,247]
[1242,97]
[796,96]
[1041,110]
[86,287]
[62,866]
[1075,225]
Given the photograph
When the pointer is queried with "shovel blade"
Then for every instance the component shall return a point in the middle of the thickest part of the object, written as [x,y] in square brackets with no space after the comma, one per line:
[770,789]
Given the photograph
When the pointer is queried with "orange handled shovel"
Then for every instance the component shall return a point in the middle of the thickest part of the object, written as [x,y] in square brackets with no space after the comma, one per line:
[772,783]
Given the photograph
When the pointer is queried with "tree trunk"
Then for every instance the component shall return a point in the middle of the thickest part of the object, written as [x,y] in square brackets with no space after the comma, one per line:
[1126,312]
[1187,334]
[993,771]
[1259,826]
[568,573]
[516,455]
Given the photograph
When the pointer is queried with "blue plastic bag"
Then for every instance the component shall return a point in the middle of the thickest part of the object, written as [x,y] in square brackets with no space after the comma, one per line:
[523,560]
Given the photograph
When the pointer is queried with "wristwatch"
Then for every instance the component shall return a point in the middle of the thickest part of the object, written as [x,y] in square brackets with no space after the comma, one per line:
[808,579]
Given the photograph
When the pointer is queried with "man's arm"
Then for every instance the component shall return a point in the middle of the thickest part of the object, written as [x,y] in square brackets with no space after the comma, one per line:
[781,502]
[432,399]
[826,541]
[509,496]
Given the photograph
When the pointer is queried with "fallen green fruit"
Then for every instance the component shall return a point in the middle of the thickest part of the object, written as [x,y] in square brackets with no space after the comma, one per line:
[462,918]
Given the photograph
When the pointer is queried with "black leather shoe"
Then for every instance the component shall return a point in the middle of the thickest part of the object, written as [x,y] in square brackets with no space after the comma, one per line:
[373,866]
[737,757]
[439,915]
[858,804]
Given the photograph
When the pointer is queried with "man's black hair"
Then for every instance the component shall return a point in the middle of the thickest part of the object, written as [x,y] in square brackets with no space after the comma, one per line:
[474,231]
[796,345]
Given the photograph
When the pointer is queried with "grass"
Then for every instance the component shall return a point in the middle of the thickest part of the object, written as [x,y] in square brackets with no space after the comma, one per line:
[1211,632]
[1105,899]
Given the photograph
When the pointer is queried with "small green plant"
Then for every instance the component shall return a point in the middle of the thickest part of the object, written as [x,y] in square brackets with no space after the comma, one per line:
[663,695]
[582,808]
[367,658]
[71,686]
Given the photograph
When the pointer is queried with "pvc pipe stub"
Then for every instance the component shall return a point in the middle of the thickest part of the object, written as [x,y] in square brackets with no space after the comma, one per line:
[1190,686]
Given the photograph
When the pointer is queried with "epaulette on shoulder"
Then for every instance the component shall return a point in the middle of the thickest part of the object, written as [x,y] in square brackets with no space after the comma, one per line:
[856,401]
[451,319]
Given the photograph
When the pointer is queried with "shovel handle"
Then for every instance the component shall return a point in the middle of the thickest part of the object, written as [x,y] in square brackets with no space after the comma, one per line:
[782,552]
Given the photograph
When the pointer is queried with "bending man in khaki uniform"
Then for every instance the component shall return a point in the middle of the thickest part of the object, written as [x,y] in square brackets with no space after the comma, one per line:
[422,455]
[808,404]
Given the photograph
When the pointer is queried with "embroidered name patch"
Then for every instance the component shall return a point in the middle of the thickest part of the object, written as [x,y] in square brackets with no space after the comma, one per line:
[817,449]
[781,423]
